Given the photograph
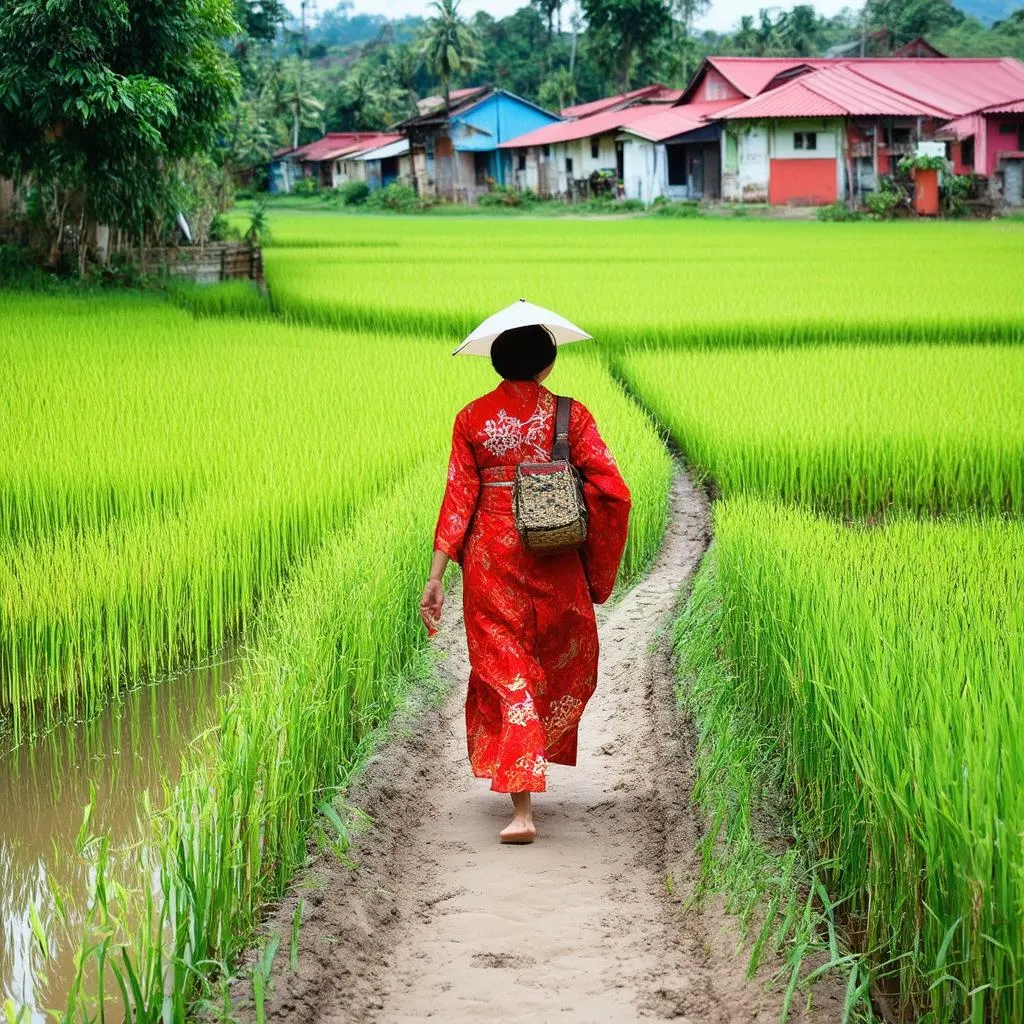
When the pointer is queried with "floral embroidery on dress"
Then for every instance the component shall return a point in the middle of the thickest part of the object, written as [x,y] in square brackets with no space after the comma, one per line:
[506,434]
[564,712]
[522,713]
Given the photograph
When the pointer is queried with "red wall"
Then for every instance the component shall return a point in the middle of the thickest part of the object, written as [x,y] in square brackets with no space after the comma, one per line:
[714,86]
[810,181]
[997,142]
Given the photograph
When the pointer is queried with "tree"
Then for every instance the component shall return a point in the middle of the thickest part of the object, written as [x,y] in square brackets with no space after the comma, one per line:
[558,90]
[621,30]
[259,19]
[798,29]
[100,101]
[745,38]
[449,45]
[908,19]
[293,93]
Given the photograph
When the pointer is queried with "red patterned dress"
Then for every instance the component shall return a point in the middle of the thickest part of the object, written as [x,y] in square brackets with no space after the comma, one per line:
[529,617]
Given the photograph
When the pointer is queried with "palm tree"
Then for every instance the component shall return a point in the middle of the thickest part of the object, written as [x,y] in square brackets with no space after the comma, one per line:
[745,38]
[449,45]
[291,93]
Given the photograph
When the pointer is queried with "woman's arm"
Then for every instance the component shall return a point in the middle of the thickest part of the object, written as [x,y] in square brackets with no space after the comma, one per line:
[432,602]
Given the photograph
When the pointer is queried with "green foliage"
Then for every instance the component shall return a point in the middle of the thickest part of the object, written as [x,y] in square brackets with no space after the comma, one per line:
[853,430]
[837,212]
[884,201]
[663,207]
[449,46]
[99,102]
[955,191]
[397,198]
[353,193]
[504,195]
[871,677]
[909,164]
[621,32]
[307,186]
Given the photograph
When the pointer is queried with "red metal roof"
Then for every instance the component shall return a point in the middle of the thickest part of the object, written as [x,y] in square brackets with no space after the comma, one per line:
[666,124]
[584,128]
[652,93]
[905,87]
[751,74]
[332,145]
[957,85]
[1016,107]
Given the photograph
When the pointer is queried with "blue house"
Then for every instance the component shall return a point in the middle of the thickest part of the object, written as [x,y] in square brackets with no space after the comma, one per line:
[455,152]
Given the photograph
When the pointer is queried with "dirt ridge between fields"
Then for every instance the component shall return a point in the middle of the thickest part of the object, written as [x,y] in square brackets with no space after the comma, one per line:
[437,921]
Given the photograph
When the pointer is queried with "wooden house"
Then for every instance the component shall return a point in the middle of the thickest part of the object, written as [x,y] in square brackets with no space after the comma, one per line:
[456,153]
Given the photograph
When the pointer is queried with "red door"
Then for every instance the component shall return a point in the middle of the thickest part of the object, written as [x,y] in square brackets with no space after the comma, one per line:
[803,182]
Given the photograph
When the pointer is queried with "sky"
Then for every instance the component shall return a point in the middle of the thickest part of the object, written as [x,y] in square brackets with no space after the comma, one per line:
[722,17]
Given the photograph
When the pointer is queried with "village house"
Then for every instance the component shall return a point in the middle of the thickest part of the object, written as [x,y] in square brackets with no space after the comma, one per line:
[455,153]
[321,160]
[385,160]
[826,131]
[567,158]
[990,141]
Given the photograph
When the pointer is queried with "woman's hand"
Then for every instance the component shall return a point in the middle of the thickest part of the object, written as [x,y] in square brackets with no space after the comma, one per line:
[432,604]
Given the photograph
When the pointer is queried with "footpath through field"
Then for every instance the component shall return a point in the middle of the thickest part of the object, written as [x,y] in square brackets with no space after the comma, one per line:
[440,922]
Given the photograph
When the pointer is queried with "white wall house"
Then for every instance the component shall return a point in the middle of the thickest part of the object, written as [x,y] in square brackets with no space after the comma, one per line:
[783,161]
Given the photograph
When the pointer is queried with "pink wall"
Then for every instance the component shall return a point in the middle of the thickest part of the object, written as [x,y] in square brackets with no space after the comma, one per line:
[714,86]
[996,142]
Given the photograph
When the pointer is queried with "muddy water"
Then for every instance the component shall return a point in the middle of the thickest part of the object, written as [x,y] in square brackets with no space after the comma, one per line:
[44,788]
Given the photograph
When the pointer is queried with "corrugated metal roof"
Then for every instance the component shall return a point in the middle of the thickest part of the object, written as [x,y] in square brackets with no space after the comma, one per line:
[954,84]
[650,92]
[1016,107]
[914,87]
[666,124]
[333,144]
[430,104]
[584,128]
[751,74]
[397,145]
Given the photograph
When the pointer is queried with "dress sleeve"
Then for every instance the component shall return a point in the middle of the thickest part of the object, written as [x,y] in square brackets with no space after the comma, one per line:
[608,504]
[460,496]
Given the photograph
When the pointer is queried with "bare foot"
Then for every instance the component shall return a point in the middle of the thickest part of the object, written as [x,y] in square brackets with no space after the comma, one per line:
[519,830]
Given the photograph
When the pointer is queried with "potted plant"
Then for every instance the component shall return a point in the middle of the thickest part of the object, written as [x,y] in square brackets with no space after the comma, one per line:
[925,172]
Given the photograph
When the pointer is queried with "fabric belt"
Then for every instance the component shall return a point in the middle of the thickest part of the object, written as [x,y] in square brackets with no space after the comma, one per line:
[497,476]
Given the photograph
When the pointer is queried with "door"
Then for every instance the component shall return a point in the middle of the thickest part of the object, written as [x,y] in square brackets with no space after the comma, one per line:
[620,162]
[712,171]
[1013,183]
[696,175]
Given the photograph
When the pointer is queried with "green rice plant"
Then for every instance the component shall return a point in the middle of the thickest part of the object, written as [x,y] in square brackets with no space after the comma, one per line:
[850,429]
[658,281]
[873,676]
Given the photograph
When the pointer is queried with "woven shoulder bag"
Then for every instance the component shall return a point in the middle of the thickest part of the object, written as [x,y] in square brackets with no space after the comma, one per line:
[547,497]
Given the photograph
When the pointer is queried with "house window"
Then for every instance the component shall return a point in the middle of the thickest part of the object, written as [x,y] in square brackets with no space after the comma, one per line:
[967,152]
[595,148]
[546,151]
[522,160]
[428,147]
[1009,128]
[805,140]
[568,165]
[676,164]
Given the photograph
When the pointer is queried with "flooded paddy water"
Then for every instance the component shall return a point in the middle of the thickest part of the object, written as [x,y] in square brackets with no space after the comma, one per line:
[133,746]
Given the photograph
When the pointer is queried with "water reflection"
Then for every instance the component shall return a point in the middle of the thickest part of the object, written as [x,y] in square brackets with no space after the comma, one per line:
[44,787]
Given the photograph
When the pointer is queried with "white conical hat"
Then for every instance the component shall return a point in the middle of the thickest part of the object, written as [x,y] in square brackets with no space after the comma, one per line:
[519,314]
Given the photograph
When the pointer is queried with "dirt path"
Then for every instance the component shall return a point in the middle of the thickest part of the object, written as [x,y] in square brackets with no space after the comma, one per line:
[440,922]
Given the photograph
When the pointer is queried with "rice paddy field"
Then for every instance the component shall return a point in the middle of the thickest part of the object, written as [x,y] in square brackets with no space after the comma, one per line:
[229,474]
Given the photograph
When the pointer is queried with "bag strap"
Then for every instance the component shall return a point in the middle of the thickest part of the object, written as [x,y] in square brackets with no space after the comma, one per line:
[560,448]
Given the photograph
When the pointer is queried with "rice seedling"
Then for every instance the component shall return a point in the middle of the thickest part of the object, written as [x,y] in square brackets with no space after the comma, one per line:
[693,283]
[851,429]
[876,674]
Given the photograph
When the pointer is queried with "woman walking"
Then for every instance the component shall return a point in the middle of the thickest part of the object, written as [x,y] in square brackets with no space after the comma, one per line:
[529,616]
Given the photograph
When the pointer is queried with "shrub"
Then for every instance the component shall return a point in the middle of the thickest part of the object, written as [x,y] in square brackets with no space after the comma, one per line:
[243,194]
[837,211]
[956,190]
[18,269]
[886,199]
[397,197]
[222,230]
[503,195]
[684,208]
[306,187]
[353,193]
